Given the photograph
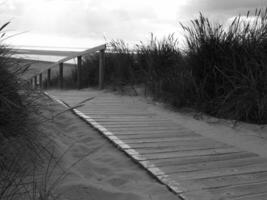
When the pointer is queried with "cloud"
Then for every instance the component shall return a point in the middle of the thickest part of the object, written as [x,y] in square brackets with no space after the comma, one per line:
[126,19]
[224,5]
[130,20]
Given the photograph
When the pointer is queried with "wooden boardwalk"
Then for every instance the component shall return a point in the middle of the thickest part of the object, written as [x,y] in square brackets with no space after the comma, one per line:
[191,165]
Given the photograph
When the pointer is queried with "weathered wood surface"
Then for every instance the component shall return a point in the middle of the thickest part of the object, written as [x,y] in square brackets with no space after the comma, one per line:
[79,71]
[193,166]
[61,78]
[101,69]
[48,78]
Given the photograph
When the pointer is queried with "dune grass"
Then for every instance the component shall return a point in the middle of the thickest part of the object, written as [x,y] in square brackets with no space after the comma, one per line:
[20,150]
[229,67]
[221,72]
[27,163]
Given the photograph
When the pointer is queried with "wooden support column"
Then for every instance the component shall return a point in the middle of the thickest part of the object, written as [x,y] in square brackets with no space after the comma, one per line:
[35,81]
[48,78]
[41,80]
[79,72]
[61,75]
[101,69]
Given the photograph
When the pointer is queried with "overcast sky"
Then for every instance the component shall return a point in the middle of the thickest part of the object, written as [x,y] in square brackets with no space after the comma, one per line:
[84,23]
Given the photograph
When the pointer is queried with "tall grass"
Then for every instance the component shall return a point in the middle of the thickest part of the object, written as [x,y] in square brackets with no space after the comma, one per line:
[121,65]
[229,66]
[22,153]
[164,72]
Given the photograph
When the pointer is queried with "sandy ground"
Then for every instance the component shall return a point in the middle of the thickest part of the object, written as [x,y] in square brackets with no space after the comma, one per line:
[96,169]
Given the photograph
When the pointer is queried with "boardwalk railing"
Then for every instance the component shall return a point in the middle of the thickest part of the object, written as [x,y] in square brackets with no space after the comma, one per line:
[101,49]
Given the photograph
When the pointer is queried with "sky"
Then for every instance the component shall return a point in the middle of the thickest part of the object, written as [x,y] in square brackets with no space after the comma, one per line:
[87,23]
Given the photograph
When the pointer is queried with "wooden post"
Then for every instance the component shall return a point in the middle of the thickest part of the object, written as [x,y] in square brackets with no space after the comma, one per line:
[48,78]
[35,81]
[101,69]
[40,80]
[79,72]
[60,75]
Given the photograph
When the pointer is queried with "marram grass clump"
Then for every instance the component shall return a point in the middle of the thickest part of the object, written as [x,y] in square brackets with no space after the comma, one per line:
[23,154]
[229,66]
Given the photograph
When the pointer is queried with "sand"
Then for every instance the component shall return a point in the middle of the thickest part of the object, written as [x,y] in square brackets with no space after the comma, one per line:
[100,171]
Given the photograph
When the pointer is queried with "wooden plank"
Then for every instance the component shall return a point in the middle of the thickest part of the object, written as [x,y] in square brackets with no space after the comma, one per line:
[147,135]
[218,165]
[223,181]
[233,192]
[103,112]
[126,120]
[261,196]
[161,140]
[121,114]
[137,121]
[135,128]
[202,159]
[189,153]
[134,121]
[179,142]
[156,132]
[181,148]
[112,117]
[197,174]
[141,126]
[113,107]
[43,52]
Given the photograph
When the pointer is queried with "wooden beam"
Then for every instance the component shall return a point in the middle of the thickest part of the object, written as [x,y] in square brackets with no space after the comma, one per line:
[48,79]
[79,72]
[101,69]
[35,81]
[40,80]
[61,75]
[43,52]
[88,51]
